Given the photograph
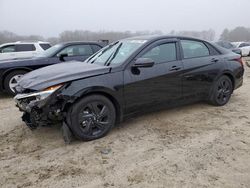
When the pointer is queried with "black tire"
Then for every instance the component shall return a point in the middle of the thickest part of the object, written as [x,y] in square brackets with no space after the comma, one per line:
[92,117]
[221,91]
[9,78]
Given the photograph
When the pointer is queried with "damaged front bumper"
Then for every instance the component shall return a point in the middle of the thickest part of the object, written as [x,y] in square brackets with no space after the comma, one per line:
[40,108]
[25,102]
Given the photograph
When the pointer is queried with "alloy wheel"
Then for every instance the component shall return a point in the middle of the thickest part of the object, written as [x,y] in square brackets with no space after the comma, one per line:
[13,81]
[223,91]
[94,118]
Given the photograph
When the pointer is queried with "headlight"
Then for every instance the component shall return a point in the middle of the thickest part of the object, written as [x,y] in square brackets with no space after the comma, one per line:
[39,95]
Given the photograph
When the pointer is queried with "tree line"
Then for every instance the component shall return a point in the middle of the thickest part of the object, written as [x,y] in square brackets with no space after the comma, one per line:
[77,35]
[237,34]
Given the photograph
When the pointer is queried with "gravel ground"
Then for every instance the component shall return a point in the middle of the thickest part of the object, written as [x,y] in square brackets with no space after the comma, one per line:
[192,146]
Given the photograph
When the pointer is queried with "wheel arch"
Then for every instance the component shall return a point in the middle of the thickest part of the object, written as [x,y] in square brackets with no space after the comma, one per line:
[230,75]
[225,73]
[111,97]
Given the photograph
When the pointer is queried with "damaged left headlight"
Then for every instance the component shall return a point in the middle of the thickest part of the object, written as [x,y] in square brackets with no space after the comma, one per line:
[25,101]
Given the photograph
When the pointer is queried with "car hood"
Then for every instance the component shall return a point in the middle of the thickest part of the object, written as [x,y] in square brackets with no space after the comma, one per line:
[59,73]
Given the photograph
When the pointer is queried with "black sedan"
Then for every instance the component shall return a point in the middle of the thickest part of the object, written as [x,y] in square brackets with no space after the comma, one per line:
[11,71]
[126,78]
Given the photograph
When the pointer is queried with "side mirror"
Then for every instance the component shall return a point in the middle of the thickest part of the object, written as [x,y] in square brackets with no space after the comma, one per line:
[62,56]
[143,63]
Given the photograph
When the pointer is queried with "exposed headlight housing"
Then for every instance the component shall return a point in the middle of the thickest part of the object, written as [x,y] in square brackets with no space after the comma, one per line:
[41,94]
[36,96]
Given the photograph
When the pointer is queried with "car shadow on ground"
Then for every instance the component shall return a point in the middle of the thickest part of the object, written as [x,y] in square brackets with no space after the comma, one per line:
[5,96]
[53,133]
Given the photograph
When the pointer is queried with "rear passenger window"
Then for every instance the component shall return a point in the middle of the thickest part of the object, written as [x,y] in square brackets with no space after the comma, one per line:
[45,46]
[192,49]
[25,47]
[162,53]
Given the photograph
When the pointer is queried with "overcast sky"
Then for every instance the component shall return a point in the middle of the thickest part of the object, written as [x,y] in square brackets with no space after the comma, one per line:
[50,17]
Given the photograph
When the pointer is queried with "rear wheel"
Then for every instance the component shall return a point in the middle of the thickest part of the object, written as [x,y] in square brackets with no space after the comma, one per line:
[92,117]
[221,91]
[10,81]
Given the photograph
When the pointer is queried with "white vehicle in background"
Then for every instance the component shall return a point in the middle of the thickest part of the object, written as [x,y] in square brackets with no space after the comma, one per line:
[19,50]
[244,47]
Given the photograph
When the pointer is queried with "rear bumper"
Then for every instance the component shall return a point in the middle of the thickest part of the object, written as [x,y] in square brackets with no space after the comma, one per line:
[238,83]
[238,77]
[1,84]
[1,87]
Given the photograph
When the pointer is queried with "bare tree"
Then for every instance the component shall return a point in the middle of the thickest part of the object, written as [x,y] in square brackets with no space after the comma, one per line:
[206,34]
[6,36]
[225,35]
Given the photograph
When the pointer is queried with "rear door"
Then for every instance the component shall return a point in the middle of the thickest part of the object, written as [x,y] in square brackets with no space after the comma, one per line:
[25,51]
[201,63]
[157,85]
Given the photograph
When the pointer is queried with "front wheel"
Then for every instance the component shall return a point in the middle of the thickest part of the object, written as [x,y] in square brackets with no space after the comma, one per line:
[221,91]
[10,81]
[92,117]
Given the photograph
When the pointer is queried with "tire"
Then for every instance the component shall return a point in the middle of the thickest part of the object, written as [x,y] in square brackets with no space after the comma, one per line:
[221,91]
[92,117]
[11,80]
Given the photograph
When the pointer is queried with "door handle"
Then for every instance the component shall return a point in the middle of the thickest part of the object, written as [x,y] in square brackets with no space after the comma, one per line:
[174,68]
[214,60]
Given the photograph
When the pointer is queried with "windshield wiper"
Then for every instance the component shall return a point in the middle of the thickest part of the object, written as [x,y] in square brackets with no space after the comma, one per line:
[107,63]
[108,47]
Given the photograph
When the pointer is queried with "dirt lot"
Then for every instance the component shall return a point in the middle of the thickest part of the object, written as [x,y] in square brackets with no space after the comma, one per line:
[193,146]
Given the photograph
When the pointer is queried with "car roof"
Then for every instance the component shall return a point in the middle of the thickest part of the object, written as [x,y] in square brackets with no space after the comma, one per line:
[24,42]
[82,42]
[159,37]
[30,42]
[240,42]
[224,41]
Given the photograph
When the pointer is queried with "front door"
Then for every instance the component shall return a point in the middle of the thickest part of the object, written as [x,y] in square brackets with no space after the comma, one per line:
[156,85]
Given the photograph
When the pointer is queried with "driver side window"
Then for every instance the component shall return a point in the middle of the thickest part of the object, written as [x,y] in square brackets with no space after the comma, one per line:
[77,50]
[162,53]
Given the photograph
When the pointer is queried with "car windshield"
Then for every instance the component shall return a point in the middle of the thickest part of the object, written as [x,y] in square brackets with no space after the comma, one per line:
[51,51]
[116,53]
